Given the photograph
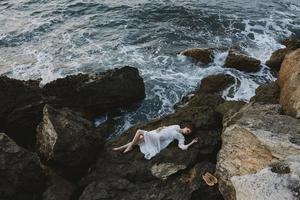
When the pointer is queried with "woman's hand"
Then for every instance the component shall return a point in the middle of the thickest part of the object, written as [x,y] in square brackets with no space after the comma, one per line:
[195,140]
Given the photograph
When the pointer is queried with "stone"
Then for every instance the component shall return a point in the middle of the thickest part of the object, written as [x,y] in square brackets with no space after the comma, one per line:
[21,105]
[277,58]
[164,170]
[131,176]
[97,93]
[216,83]
[268,185]
[22,102]
[291,43]
[58,189]
[289,82]
[21,172]
[258,136]
[241,62]
[268,93]
[67,140]
[204,55]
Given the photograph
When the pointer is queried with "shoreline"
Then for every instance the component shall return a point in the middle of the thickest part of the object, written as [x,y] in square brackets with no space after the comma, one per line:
[71,160]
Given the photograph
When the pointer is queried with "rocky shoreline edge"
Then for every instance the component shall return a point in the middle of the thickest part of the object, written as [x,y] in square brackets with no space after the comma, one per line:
[50,149]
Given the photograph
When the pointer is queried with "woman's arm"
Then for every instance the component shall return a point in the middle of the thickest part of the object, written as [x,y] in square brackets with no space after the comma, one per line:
[183,146]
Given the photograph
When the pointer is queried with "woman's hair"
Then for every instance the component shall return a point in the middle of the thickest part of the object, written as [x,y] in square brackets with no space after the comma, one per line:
[190,126]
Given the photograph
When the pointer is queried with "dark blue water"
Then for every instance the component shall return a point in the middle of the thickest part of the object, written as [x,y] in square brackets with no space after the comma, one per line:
[49,39]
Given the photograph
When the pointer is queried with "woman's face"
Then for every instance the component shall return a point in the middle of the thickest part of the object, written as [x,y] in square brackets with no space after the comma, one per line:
[186,131]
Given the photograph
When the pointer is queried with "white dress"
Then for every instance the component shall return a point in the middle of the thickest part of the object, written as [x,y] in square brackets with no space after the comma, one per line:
[155,141]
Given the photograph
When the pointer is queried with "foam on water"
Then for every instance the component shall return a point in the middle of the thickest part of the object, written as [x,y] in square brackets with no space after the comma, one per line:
[56,38]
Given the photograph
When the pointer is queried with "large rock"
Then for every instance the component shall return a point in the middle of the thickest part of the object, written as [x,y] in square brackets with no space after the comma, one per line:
[257,137]
[281,180]
[216,83]
[67,140]
[203,55]
[278,56]
[291,43]
[289,82]
[131,176]
[97,93]
[187,186]
[241,62]
[22,102]
[22,176]
[58,189]
[267,93]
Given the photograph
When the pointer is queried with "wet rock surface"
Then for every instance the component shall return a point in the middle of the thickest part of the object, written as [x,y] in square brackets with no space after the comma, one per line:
[22,175]
[252,148]
[67,141]
[131,176]
[278,56]
[21,105]
[90,94]
[97,93]
[204,55]
[267,93]
[216,83]
[241,62]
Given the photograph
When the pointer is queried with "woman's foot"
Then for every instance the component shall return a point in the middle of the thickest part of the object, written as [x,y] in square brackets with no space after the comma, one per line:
[129,148]
[117,149]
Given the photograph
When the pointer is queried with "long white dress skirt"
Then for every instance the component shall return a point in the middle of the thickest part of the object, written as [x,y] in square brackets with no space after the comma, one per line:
[151,145]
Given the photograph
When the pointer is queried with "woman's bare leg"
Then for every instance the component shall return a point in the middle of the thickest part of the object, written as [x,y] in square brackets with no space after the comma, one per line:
[136,140]
[121,147]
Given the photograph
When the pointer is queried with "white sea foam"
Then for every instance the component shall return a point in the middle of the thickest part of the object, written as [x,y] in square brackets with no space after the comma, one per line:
[97,41]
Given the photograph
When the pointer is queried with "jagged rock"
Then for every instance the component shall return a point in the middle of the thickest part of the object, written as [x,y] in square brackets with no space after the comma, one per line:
[21,107]
[67,140]
[131,176]
[216,83]
[241,62]
[22,102]
[187,186]
[267,93]
[258,136]
[204,55]
[291,43]
[199,99]
[289,81]
[269,185]
[277,58]
[98,92]
[59,189]
[228,109]
[22,176]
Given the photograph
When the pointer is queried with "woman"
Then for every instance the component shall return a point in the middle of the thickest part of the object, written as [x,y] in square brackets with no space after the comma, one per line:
[152,142]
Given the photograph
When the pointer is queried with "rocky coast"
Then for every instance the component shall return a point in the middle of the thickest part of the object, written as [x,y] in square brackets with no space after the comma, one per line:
[51,150]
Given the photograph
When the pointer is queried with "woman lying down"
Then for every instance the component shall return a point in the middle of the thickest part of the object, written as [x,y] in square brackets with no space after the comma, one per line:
[152,142]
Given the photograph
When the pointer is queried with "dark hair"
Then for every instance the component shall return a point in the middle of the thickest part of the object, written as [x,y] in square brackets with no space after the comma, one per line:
[190,126]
